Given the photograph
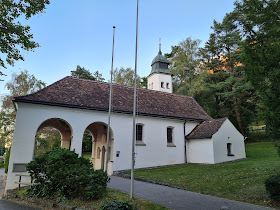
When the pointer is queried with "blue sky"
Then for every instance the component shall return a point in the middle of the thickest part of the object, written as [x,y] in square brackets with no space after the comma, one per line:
[73,33]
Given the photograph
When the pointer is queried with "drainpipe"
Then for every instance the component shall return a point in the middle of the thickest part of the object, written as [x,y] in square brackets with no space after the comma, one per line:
[185,144]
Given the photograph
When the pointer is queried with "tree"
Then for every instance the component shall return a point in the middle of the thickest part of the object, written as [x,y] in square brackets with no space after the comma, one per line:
[83,73]
[222,52]
[21,84]
[259,20]
[124,76]
[13,34]
[184,62]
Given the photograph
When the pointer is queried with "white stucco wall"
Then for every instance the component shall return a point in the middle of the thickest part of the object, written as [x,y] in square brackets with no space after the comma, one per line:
[200,151]
[228,134]
[154,82]
[155,153]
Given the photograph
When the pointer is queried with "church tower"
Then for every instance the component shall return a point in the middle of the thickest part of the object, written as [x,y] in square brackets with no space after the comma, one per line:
[160,77]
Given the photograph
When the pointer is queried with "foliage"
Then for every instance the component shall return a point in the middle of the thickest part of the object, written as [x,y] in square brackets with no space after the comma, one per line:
[240,180]
[184,64]
[13,34]
[47,138]
[21,84]
[260,24]
[116,205]
[7,159]
[272,186]
[83,73]
[60,172]
[125,76]
[87,142]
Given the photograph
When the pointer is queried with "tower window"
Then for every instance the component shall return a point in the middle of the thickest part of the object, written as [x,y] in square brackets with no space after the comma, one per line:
[162,84]
[167,85]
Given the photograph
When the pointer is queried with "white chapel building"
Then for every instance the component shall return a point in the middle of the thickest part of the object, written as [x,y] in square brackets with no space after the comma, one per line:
[171,128]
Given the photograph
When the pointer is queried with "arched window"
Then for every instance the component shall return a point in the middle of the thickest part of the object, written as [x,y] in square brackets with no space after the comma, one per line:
[162,84]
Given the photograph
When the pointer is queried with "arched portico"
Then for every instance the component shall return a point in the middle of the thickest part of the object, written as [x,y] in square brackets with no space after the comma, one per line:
[63,127]
[98,131]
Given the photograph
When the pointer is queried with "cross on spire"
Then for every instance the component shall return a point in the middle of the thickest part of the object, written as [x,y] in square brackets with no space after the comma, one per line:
[159,52]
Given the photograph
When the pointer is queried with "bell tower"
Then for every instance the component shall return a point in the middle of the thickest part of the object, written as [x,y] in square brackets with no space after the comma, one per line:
[160,77]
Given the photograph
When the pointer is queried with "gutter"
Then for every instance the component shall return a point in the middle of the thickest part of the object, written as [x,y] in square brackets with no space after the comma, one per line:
[105,110]
[185,143]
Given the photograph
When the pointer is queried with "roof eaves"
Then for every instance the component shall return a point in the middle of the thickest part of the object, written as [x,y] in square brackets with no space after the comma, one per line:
[103,109]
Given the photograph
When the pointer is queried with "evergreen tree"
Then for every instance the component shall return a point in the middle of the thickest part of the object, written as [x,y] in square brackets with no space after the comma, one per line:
[259,20]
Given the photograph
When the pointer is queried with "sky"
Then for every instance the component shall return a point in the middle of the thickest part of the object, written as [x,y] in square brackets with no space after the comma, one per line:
[72,33]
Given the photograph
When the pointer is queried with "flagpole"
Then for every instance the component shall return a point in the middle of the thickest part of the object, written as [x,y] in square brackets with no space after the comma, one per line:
[110,103]
[134,110]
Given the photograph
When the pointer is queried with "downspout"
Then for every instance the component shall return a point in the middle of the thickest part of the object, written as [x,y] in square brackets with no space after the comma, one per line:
[185,143]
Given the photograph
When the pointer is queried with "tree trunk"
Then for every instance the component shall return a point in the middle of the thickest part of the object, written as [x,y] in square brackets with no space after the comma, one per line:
[238,116]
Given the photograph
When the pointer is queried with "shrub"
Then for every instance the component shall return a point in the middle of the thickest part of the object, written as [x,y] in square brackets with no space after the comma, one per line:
[7,159]
[61,172]
[272,185]
[116,205]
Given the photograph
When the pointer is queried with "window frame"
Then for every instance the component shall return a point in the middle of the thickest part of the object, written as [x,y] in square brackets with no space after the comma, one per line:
[229,149]
[170,144]
[140,142]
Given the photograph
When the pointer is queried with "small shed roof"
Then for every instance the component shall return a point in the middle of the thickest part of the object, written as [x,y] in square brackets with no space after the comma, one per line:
[206,129]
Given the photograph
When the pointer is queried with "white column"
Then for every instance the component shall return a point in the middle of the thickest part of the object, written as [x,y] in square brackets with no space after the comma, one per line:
[77,140]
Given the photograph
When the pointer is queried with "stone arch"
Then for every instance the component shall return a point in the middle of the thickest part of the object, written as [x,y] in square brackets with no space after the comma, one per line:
[60,125]
[98,131]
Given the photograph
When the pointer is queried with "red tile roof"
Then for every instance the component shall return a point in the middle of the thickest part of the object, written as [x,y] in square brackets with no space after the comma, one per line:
[206,129]
[94,95]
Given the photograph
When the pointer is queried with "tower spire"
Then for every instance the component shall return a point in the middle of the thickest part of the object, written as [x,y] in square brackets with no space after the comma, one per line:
[159,52]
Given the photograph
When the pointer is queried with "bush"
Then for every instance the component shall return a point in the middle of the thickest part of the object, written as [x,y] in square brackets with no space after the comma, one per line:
[61,172]
[272,185]
[116,205]
[7,159]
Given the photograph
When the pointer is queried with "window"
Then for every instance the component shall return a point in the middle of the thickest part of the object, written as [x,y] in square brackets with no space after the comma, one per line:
[229,149]
[162,84]
[167,85]
[139,132]
[139,135]
[152,85]
[169,135]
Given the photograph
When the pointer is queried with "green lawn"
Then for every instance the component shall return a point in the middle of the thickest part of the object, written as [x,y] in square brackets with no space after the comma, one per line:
[87,155]
[111,195]
[241,180]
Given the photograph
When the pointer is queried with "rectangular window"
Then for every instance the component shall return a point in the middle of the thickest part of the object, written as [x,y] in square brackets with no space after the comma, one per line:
[139,132]
[229,149]
[162,84]
[169,135]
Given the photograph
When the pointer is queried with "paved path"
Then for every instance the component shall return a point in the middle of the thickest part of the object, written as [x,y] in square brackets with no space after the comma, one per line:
[177,199]
[2,187]
[9,205]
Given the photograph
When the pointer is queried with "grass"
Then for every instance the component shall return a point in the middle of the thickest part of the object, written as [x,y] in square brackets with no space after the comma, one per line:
[112,195]
[240,180]
[87,155]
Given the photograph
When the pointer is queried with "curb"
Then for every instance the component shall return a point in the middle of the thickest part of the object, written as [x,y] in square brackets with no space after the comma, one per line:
[127,176]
